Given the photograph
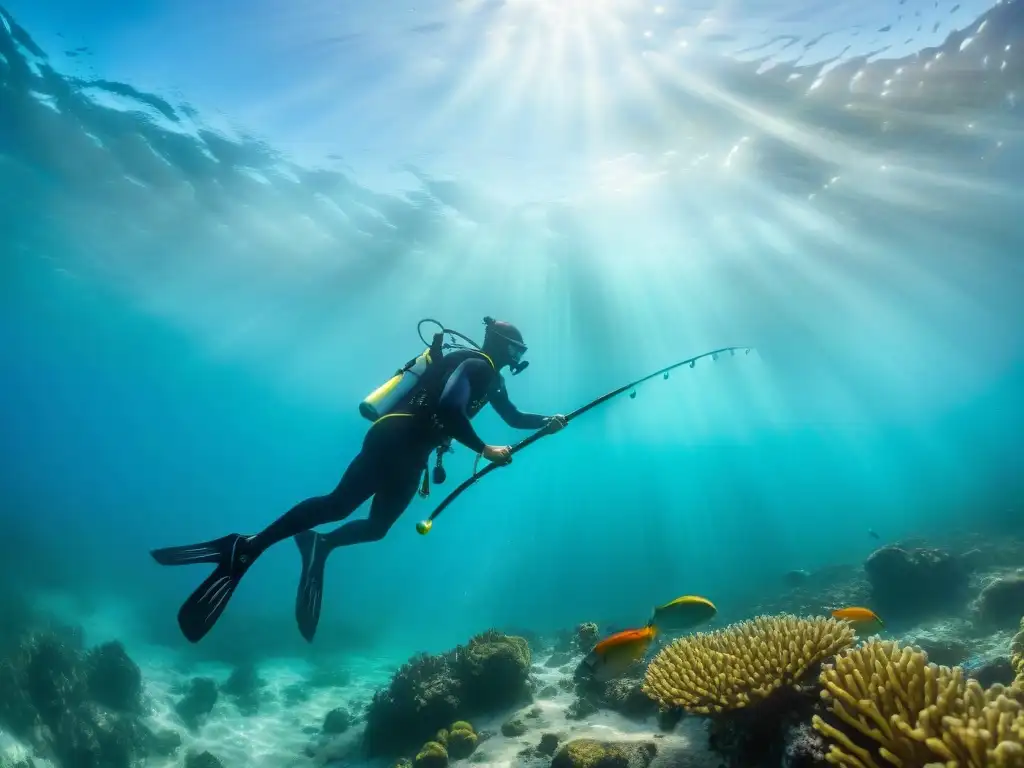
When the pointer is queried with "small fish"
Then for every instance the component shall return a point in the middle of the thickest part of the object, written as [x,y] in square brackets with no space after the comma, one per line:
[614,655]
[873,534]
[683,613]
[857,615]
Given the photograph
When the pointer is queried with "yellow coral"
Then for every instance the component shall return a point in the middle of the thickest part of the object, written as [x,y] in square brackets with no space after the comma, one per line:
[462,740]
[890,707]
[432,755]
[742,664]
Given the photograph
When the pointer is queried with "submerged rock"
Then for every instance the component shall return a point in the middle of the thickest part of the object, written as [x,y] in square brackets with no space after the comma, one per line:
[558,659]
[113,679]
[548,743]
[626,697]
[580,708]
[947,652]
[1001,603]
[202,760]
[198,702]
[910,583]
[337,721]
[513,727]
[244,687]
[590,753]
[164,743]
[989,671]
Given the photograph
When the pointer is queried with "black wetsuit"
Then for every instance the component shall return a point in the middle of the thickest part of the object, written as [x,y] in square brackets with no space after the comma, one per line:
[397,448]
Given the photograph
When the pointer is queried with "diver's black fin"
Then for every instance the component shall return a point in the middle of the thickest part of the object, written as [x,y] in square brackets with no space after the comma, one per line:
[311,583]
[213,551]
[204,606]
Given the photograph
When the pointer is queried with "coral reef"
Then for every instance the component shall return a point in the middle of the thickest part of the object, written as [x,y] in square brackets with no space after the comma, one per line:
[493,670]
[586,637]
[489,673]
[78,708]
[756,679]
[589,753]
[743,664]
[911,583]
[886,705]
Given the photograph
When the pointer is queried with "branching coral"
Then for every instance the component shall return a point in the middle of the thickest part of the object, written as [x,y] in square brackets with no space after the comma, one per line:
[886,705]
[743,664]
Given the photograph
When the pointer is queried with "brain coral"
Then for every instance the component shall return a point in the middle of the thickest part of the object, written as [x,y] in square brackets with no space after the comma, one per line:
[743,664]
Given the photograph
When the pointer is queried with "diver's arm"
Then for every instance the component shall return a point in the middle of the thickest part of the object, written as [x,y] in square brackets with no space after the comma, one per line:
[451,407]
[512,415]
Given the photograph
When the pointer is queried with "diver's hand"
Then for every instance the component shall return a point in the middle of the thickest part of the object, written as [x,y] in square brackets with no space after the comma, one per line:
[555,423]
[499,454]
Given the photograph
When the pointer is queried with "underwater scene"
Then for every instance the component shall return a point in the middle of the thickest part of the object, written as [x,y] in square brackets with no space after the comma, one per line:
[512,383]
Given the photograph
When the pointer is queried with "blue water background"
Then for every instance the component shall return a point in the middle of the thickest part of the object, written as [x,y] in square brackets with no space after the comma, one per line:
[195,300]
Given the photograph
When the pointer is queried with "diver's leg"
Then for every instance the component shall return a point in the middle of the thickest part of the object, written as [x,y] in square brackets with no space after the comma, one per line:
[234,554]
[398,487]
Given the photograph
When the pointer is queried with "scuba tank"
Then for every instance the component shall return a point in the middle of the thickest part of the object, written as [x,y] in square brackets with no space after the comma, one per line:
[385,397]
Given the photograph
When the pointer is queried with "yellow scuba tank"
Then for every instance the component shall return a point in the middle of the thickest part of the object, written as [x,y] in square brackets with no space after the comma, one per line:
[385,397]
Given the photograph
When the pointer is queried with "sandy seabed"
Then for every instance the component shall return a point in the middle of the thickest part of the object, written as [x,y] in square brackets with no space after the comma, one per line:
[285,733]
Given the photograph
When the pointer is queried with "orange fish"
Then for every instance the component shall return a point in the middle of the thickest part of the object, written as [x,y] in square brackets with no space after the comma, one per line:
[857,615]
[616,654]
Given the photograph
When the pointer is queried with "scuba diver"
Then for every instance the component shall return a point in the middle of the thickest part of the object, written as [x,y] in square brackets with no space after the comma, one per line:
[427,404]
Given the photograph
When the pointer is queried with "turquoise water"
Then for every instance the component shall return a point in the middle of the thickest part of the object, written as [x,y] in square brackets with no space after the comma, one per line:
[221,227]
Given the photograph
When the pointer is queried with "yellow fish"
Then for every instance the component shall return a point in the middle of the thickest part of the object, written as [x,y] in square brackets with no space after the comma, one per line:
[683,613]
[614,655]
[857,615]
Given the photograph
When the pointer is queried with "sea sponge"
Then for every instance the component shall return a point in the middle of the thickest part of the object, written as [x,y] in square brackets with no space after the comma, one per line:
[736,667]
[888,706]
